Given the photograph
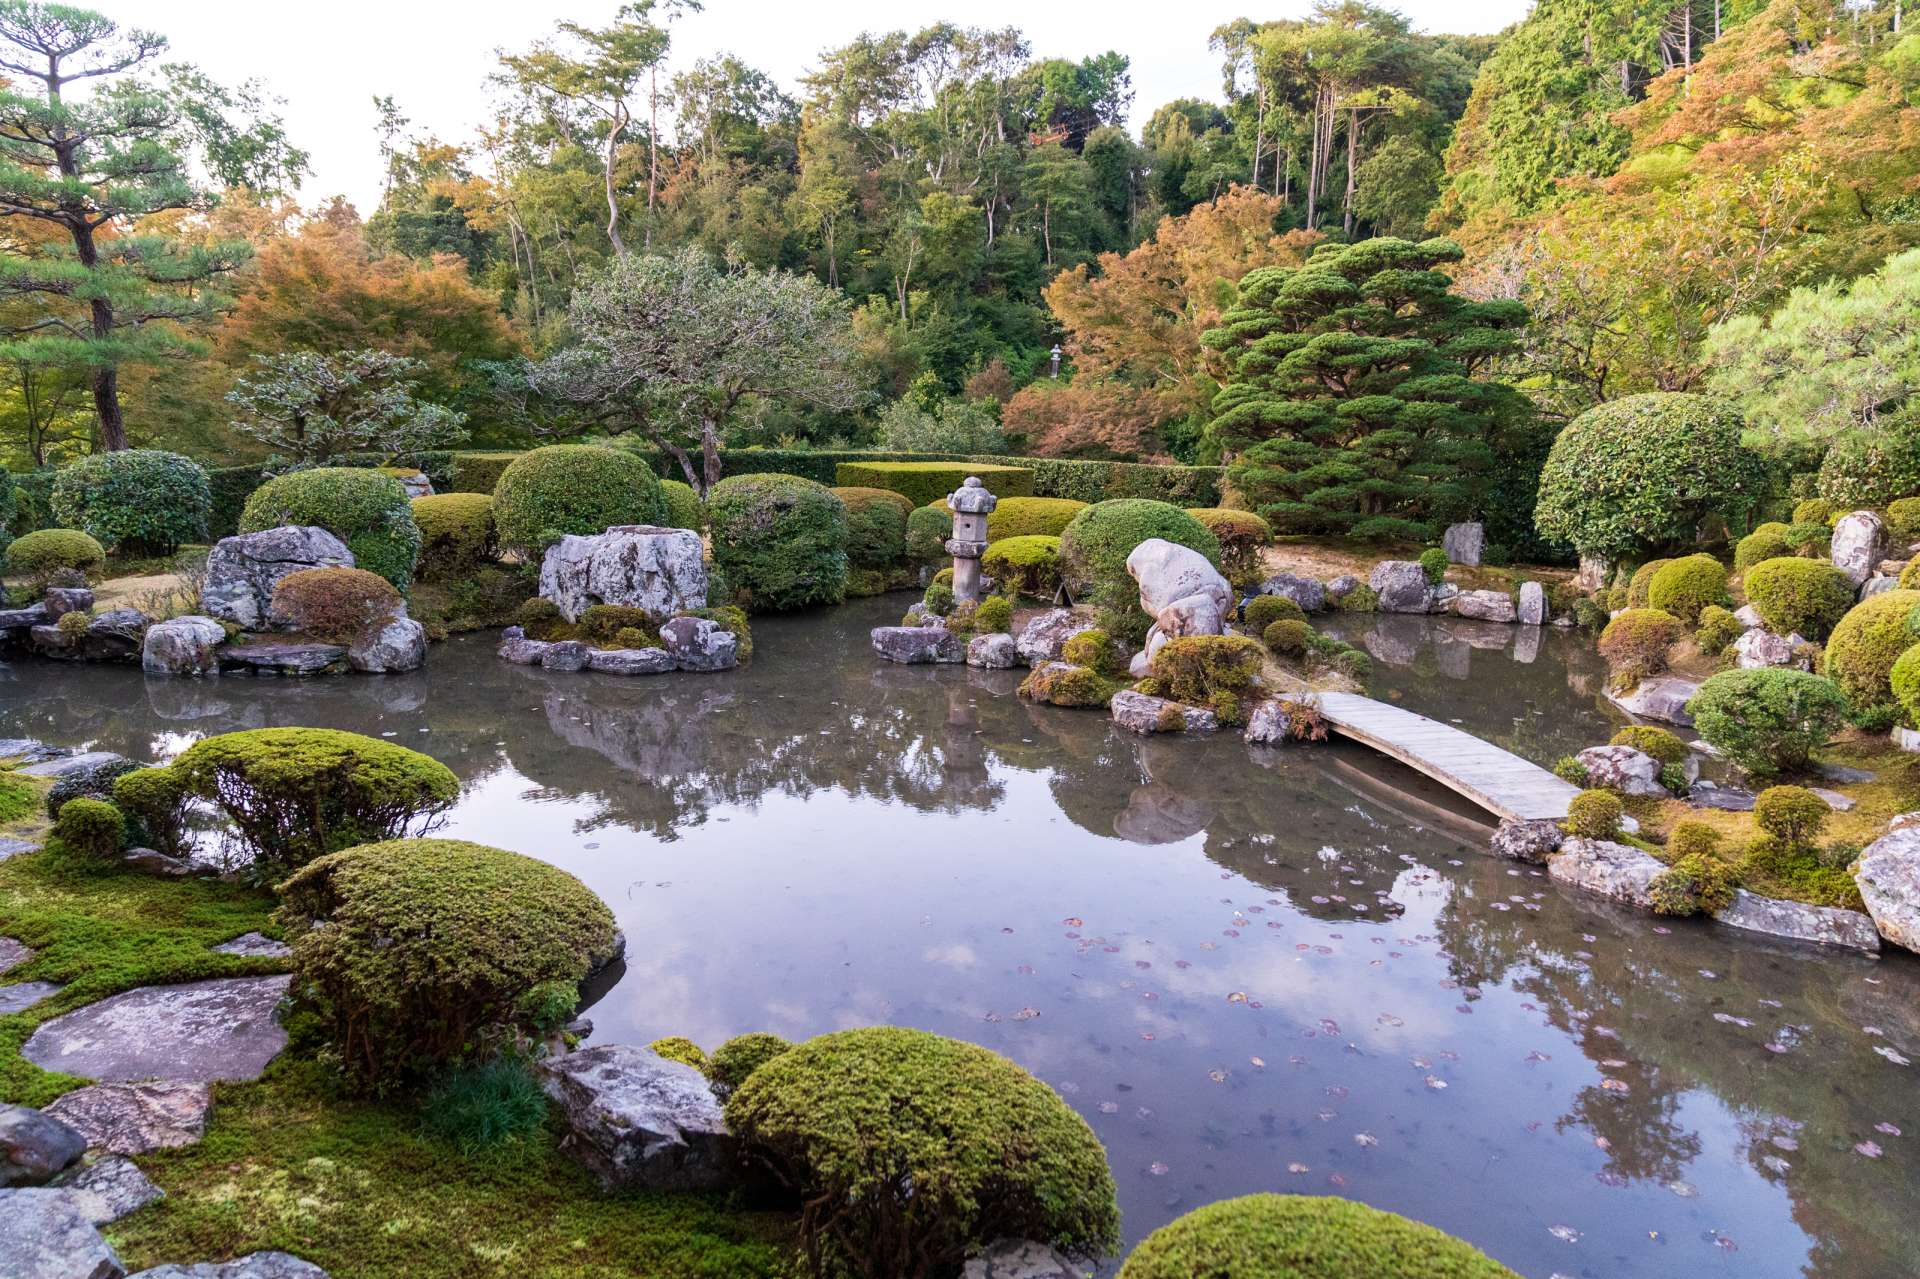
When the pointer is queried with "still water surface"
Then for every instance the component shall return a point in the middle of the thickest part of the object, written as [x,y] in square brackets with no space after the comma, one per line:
[1248,969]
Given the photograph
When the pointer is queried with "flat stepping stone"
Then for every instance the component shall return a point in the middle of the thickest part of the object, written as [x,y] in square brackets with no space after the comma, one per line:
[1842,774]
[199,1031]
[11,847]
[65,764]
[255,1265]
[23,995]
[283,659]
[13,954]
[255,946]
[45,1234]
[28,750]
[131,1119]
[108,1189]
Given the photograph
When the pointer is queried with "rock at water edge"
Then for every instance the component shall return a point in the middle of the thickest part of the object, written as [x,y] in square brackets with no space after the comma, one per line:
[1609,869]
[1888,874]
[918,644]
[639,1121]
[1797,921]
[1402,587]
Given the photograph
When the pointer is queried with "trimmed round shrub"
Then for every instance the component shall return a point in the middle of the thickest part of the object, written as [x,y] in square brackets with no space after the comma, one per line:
[1095,650]
[1693,885]
[1768,721]
[1793,595]
[1642,472]
[480,471]
[1263,611]
[1767,541]
[1717,629]
[1866,644]
[94,781]
[91,829]
[1903,519]
[684,509]
[1692,839]
[1685,586]
[137,501]
[456,533]
[338,605]
[573,488]
[1030,516]
[1241,534]
[1792,814]
[911,1150]
[1635,643]
[780,540]
[368,511]
[1815,510]
[1288,637]
[1813,541]
[48,550]
[1640,585]
[1029,565]
[1216,671]
[1905,680]
[1910,576]
[1594,814]
[928,528]
[416,954]
[876,526]
[1868,469]
[681,1049]
[154,802]
[1648,740]
[735,1061]
[294,794]
[1434,563]
[994,614]
[1269,1236]
[1094,549]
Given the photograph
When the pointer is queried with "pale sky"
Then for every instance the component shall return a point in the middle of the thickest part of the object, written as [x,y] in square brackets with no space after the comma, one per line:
[328,60]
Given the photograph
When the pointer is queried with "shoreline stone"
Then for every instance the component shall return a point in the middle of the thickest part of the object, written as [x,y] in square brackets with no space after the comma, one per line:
[633,565]
[1610,870]
[638,1121]
[918,645]
[1797,921]
[1140,713]
[1888,874]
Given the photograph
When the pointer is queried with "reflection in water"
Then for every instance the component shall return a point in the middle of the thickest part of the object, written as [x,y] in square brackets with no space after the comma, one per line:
[1249,969]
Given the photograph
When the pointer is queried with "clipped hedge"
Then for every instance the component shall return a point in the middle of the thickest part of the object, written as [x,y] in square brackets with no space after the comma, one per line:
[456,533]
[573,488]
[137,501]
[683,505]
[479,472]
[876,525]
[1270,1236]
[1768,721]
[1794,595]
[416,954]
[1030,516]
[1029,565]
[780,541]
[925,482]
[46,550]
[368,511]
[1685,586]
[1866,644]
[913,1150]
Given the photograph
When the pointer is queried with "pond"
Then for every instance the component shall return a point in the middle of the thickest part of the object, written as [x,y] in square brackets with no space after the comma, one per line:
[1248,969]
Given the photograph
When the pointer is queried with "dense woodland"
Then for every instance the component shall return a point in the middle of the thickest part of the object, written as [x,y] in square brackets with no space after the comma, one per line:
[1607,198]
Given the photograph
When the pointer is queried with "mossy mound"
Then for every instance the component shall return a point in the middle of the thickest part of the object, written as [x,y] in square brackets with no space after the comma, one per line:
[339,605]
[573,488]
[1029,565]
[734,1062]
[368,511]
[1684,586]
[1635,643]
[1263,611]
[1063,684]
[1215,671]
[47,550]
[1866,644]
[1767,541]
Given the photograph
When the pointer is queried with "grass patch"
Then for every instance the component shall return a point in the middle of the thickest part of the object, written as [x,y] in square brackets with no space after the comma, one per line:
[360,1188]
[19,798]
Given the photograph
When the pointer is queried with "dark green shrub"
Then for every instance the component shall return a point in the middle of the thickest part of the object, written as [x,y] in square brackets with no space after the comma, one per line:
[541,619]
[1594,814]
[573,488]
[154,802]
[1865,470]
[938,598]
[1094,549]
[1303,1237]
[1903,519]
[1810,540]
[1648,740]
[1434,563]
[48,550]
[368,511]
[1792,814]
[994,614]
[1685,586]
[1095,650]
[90,829]
[1768,721]
[924,482]
[92,781]
[1288,637]
[1063,684]
[1030,516]
[735,1061]
[1866,644]
[485,1104]
[1263,611]
[876,526]
[928,528]
[1029,565]
[1693,885]
[1795,595]
[1635,643]
[1718,628]
[338,605]
[681,1049]
[1767,541]
[480,472]
[1215,671]
[684,509]
[910,1151]
[1241,535]
[1640,585]
[416,954]
[456,533]
[294,794]
[1642,472]
[1814,510]
[1591,615]
[137,501]
[1904,679]
[1568,768]
[781,541]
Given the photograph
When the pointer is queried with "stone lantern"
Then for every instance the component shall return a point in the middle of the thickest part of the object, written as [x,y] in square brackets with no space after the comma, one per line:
[971,505]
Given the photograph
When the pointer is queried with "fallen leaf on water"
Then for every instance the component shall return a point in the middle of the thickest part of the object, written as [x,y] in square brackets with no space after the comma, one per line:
[1365,1139]
[1237,997]
[1566,1234]
[1298,1168]
[1157,1169]
[1871,1149]
[1891,1130]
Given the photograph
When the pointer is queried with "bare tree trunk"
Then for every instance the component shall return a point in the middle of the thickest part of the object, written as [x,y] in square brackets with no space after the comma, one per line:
[1259,133]
[613,205]
[1353,166]
[710,455]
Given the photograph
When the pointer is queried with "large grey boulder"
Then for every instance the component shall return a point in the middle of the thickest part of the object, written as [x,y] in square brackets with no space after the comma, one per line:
[133,1118]
[698,644]
[1338,588]
[1487,606]
[1609,869]
[1797,921]
[995,651]
[639,1121]
[1888,874]
[21,619]
[255,1265]
[912,645]
[1181,591]
[1524,839]
[400,645]
[182,646]
[1043,638]
[1021,1259]
[522,651]
[1533,604]
[632,565]
[1464,543]
[84,764]
[630,661]
[1623,769]
[1310,595]
[1402,586]
[35,1146]
[566,655]
[1859,543]
[1760,648]
[1664,698]
[1140,713]
[242,571]
[46,1234]
[224,1028]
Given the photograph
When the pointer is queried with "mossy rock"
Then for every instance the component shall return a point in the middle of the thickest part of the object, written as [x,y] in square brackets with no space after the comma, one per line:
[1063,684]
